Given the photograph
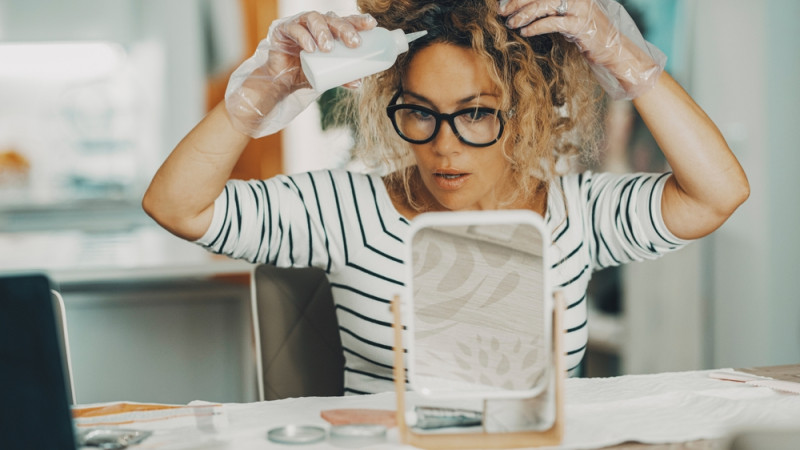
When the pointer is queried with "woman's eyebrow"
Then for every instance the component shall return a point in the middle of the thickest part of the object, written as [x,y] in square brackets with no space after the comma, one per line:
[417,97]
[464,100]
[477,96]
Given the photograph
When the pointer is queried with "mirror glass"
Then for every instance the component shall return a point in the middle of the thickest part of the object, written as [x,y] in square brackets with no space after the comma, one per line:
[480,312]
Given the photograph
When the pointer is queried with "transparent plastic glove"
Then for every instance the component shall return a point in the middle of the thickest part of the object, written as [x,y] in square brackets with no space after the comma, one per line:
[269,89]
[623,62]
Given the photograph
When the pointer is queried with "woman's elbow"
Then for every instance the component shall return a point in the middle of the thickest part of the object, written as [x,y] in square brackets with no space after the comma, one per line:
[737,193]
[168,217]
[186,216]
[155,208]
[744,191]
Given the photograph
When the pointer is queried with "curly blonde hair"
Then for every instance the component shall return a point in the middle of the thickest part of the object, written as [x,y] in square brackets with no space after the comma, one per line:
[544,80]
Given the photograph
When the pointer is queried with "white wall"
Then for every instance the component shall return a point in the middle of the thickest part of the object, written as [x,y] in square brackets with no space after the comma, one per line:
[730,83]
[734,299]
[749,84]
[783,142]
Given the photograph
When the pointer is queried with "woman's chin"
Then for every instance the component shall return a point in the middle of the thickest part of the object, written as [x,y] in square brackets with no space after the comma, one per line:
[455,202]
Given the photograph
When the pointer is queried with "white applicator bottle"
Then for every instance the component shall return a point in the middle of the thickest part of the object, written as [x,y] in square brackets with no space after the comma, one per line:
[378,51]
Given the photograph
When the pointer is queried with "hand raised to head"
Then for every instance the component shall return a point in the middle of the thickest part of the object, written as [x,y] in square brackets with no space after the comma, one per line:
[624,63]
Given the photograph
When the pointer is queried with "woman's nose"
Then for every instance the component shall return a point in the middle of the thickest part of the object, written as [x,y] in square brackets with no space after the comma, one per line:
[446,141]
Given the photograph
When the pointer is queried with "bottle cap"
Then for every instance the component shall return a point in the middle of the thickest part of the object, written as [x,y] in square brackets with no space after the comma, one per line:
[401,39]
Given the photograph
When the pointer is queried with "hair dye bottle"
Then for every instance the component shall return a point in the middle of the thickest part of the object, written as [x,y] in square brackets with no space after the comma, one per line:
[378,51]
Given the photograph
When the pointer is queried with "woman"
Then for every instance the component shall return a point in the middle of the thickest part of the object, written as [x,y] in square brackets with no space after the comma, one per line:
[485,112]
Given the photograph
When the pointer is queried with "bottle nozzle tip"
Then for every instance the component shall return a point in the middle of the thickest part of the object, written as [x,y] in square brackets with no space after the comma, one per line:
[410,37]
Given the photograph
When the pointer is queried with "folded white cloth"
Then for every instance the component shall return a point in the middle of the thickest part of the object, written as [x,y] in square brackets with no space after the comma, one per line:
[670,407]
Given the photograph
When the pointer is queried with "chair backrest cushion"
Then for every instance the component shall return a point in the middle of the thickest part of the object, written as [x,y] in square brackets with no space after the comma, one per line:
[301,349]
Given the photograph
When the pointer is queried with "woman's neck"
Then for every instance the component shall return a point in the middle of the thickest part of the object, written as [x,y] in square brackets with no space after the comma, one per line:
[423,201]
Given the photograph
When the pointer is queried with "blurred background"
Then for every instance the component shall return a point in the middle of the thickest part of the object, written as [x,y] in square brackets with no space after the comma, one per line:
[95,93]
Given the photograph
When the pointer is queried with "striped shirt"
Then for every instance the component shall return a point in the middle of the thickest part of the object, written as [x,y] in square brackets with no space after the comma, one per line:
[346,224]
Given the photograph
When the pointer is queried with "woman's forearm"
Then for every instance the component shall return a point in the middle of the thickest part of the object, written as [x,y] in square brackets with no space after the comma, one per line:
[182,193]
[708,183]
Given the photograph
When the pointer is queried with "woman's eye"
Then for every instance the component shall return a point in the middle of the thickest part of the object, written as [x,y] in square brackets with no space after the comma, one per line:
[478,115]
[419,114]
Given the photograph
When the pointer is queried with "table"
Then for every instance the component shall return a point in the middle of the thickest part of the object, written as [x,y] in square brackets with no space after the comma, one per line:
[680,410]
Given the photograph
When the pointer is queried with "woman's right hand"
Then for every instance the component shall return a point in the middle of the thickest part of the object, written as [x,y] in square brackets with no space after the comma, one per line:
[309,31]
[257,92]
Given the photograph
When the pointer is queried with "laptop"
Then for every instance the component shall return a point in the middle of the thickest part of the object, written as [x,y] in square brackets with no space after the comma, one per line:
[34,393]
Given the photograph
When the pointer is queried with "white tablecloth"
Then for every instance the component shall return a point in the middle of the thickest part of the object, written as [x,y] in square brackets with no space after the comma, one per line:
[660,408]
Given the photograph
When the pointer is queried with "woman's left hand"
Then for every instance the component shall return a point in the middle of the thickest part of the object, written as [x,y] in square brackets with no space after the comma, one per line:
[707,182]
[625,64]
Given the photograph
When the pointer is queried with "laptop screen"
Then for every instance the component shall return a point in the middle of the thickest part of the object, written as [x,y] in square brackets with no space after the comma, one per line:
[34,407]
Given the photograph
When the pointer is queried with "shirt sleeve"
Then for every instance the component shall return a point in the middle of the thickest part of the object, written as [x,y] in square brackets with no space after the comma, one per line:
[276,221]
[623,214]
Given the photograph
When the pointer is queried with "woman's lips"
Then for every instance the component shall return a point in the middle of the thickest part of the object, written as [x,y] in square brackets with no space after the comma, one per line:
[450,180]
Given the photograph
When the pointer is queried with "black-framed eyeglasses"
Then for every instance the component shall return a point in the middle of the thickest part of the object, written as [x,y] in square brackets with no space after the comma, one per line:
[476,126]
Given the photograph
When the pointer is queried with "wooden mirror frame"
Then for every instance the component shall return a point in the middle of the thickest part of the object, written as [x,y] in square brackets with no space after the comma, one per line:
[549,437]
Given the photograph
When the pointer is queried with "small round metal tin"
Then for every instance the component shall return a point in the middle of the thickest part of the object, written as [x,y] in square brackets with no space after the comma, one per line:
[296,434]
[357,435]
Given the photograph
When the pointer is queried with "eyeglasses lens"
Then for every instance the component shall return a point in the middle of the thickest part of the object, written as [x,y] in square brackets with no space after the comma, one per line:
[415,124]
[478,126]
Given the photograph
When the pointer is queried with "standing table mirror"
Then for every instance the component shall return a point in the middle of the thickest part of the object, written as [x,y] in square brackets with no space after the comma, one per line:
[483,351]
